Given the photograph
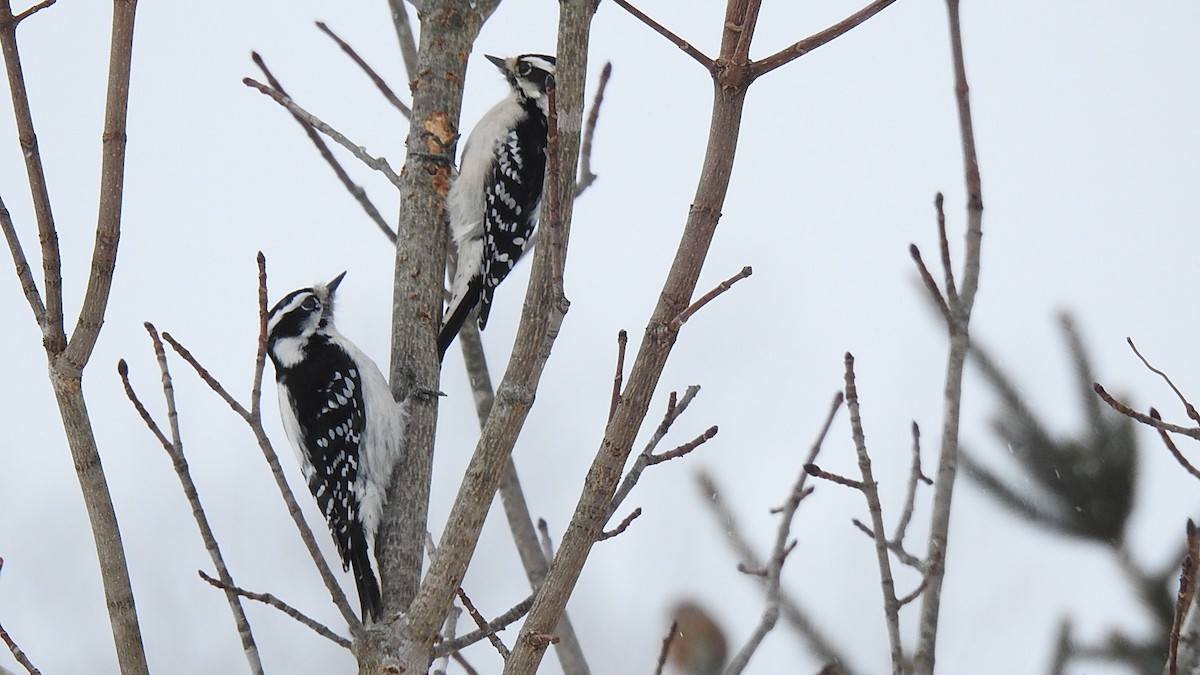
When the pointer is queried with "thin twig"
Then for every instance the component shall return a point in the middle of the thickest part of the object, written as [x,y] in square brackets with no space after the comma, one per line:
[32,10]
[357,191]
[461,661]
[512,498]
[930,284]
[817,472]
[211,381]
[1191,410]
[1187,593]
[376,79]
[675,408]
[815,40]
[449,631]
[554,179]
[916,592]
[1166,439]
[910,497]
[774,567]
[791,608]
[624,525]
[666,648]
[547,543]
[17,653]
[377,163]
[21,266]
[960,344]
[708,297]
[686,46]
[481,622]
[174,449]
[269,599]
[404,34]
[260,354]
[619,377]
[1157,423]
[586,177]
[684,449]
[870,490]
[497,624]
[944,248]
[50,318]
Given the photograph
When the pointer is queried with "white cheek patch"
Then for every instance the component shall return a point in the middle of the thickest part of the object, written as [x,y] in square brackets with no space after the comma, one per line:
[289,351]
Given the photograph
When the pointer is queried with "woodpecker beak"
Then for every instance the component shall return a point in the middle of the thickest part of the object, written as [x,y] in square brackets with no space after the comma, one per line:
[499,62]
[332,285]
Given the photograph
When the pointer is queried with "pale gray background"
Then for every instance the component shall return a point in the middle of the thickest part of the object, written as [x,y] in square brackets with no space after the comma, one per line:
[1086,123]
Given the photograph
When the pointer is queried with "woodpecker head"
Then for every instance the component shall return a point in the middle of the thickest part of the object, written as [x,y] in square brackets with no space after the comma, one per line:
[296,318]
[527,74]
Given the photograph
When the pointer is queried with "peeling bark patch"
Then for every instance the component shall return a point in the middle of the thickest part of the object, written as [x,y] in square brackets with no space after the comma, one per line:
[441,131]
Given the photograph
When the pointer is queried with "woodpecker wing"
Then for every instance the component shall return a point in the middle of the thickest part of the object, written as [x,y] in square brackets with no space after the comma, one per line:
[327,396]
[511,200]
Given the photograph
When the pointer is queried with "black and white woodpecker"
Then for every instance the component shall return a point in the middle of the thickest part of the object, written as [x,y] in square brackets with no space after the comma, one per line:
[493,203]
[343,422]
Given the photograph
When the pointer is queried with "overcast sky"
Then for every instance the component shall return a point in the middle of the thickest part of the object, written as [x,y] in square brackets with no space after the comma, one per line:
[1085,116]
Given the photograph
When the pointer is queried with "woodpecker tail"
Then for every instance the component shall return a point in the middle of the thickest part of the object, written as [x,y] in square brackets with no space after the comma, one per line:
[458,315]
[369,598]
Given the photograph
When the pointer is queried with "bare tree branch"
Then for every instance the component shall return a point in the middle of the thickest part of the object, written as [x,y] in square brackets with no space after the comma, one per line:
[269,599]
[944,248]
[666,648]
[32,10]
[355,190]
[379,164]
[1166,439]
[54,336]
[870,490]
[708,297]
[481,622]
[619,377]
[586,177]
[810,43]
[19,655]
[939,526]
[496,625]
[378,81]
[622,526]
[665,32]
[931,285]
[647,458]
[1148,420]
[174,448]
[1186,595]
[414,353]
[512,497]
[915,475]
[112,189]
[447,31]
[731,81]
[21,266]
[404,34]
[1187,405]
[796,616]
[774,567]
[67,358]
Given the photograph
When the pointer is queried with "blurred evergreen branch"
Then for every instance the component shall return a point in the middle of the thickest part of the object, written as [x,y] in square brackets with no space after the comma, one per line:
[1081,485]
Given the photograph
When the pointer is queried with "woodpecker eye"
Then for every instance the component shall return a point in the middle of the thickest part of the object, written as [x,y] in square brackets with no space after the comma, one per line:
[310,304]
[523,69]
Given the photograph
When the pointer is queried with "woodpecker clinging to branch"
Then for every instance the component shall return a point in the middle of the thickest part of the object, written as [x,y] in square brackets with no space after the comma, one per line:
[343,422]
[493,203]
